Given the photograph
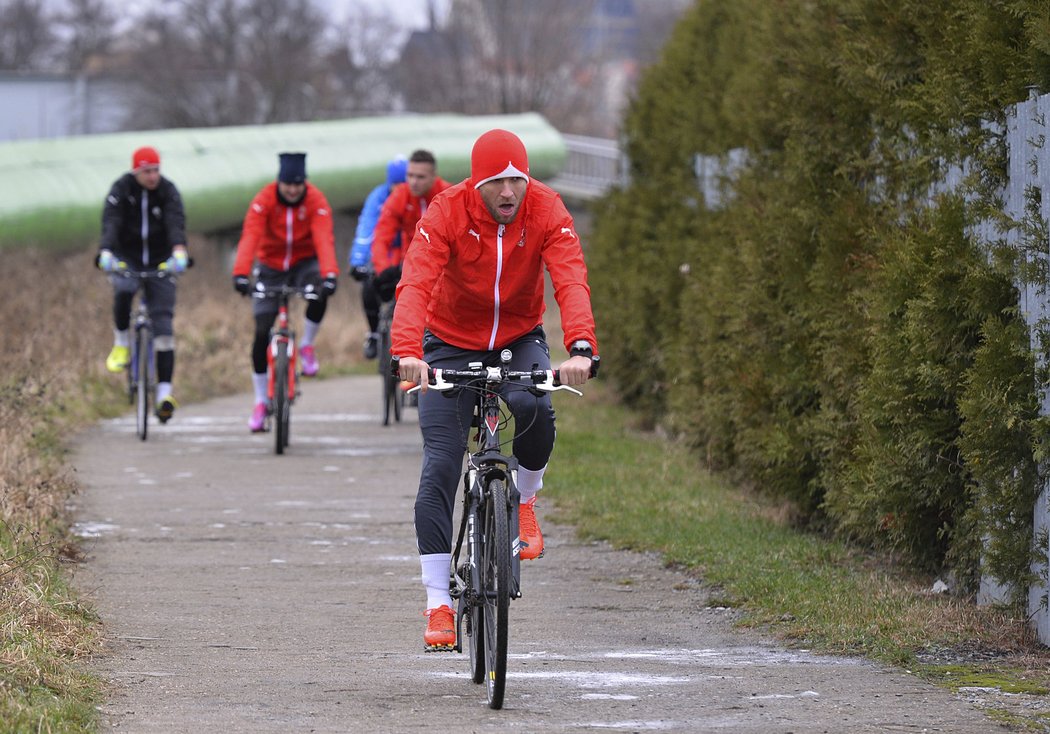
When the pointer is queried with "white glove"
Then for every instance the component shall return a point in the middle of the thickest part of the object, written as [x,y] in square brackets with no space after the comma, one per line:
[178,262]
[107,261]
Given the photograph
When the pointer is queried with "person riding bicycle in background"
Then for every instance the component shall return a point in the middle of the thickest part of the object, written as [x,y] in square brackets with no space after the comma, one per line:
[144,228]
[397,221]
[473,285]
[361,251]
[288,230]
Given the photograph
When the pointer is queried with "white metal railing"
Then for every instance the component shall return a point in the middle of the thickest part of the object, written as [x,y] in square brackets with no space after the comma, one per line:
[592,167]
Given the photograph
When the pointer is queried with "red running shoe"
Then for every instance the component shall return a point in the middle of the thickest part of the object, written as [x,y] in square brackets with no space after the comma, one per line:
[440,633]
[529,531]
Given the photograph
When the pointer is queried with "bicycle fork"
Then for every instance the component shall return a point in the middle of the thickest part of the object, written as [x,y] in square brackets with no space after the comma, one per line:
[282,335]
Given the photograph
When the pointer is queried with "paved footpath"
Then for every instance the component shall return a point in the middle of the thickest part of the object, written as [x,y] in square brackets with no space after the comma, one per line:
[248,592]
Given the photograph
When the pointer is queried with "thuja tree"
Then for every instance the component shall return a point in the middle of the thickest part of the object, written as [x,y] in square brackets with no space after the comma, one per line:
[825,330]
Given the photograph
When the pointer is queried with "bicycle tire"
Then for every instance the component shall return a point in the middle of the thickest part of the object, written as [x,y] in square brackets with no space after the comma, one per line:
[495,588]
[473,618]
[281,407]
[142,393]
[389,381]
[133,385]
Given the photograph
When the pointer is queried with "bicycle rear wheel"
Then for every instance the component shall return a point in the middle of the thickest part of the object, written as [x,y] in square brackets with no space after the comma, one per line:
[495,587]
[143,389]
[281,406]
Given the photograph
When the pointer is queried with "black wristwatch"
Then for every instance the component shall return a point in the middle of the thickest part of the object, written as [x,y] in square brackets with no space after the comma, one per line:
[581,348]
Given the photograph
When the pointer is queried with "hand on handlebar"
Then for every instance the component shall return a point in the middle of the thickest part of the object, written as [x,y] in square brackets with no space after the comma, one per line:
[109,263]
[242,284]
[415,371]
[575,370]
[329,284]
[179,261]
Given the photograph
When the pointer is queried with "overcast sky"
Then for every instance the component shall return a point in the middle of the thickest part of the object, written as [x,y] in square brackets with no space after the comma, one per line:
[411,13]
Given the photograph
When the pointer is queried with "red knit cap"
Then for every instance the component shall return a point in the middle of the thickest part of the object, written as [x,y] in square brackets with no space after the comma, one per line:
[144,157]
[498,154]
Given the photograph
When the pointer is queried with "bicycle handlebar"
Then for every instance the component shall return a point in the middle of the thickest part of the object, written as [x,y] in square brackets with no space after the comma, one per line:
[158,274]
[448,379]
[542,380]
[308,292]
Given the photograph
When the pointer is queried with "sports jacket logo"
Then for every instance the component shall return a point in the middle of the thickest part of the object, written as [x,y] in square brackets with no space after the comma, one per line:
[424,233]
[476,235]
[566,230]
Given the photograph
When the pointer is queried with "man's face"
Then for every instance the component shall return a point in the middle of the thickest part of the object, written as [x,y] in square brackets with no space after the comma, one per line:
[148,177]
[503,197]
[291,192]
[420,177]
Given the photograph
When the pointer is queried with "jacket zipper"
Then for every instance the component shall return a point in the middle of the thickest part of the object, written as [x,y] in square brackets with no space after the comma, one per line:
[289,222]
[495,293]
[145,227]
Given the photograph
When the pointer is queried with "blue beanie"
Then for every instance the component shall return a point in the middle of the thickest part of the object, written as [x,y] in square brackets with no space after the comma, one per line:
[293,168]
[396,170]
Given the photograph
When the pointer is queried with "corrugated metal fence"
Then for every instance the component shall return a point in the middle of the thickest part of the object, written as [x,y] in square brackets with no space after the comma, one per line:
[1027,196]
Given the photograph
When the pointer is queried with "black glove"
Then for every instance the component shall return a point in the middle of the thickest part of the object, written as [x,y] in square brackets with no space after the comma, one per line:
[328,286]
[242,284]
[360,274]
[386,282]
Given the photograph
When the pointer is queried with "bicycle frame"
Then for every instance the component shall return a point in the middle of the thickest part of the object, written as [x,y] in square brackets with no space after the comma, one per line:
[486,463]
[282,334]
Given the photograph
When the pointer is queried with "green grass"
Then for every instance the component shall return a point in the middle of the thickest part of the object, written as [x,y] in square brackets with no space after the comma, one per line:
[643,492]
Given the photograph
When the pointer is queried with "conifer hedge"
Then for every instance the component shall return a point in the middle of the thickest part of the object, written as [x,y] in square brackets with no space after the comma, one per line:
[825,329]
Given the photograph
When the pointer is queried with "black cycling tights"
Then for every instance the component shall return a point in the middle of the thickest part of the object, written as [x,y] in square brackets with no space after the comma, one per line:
[263,321]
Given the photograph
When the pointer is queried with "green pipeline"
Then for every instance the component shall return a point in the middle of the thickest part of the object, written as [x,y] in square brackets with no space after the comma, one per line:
[51,191]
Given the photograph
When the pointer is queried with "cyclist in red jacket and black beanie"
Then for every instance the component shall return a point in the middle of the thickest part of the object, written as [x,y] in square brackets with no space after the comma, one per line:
[288,229]
[472,285]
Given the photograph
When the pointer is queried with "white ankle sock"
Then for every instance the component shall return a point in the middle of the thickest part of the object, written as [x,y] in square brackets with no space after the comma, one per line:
[530,482]
[309,332]
[122,338]
[435,568]
[260,383]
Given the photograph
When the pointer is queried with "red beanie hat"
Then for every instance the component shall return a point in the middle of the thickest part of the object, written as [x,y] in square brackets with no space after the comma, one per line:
[144,157]
[498,154]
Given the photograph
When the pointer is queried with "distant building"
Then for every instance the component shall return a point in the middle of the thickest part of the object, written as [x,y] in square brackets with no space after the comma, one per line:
[56,105]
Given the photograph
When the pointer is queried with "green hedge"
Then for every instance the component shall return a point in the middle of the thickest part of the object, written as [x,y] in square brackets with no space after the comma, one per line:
[827,331]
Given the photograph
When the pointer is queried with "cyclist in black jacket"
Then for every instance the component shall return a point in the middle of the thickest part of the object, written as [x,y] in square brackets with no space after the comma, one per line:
[144,228]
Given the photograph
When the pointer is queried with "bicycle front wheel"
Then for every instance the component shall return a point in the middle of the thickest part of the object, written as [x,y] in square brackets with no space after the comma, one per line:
[281,406]
[389,381]
[495,588]
[143,389]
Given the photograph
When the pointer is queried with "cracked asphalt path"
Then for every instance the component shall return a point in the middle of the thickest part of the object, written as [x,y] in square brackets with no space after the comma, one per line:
[247,592]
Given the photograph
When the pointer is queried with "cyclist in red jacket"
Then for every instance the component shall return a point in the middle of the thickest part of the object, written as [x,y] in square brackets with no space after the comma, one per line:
[401,211]
[473,285]
[288,230]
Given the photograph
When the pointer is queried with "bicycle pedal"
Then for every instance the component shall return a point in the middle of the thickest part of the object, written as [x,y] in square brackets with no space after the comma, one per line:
[439,648]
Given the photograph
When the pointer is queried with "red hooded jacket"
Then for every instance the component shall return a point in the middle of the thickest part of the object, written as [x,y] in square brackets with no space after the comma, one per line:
[400,214]
[479,285]
[279,235]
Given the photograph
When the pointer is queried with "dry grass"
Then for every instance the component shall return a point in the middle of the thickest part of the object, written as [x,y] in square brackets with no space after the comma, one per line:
[52,382]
